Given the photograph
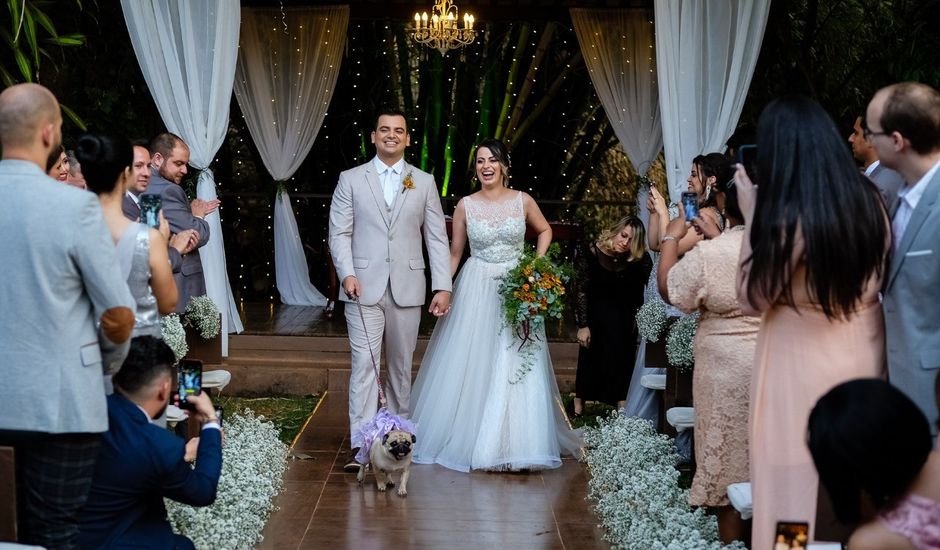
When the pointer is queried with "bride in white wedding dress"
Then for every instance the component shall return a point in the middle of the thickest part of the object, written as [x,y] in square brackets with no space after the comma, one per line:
[471,411]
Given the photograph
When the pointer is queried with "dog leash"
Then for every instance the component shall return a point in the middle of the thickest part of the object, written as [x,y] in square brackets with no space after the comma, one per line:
[375,365]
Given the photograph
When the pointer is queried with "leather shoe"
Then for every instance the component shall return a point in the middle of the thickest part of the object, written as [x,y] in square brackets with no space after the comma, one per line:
[352,466]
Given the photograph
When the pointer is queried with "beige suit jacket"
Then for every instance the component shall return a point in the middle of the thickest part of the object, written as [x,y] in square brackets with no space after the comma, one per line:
[381,245]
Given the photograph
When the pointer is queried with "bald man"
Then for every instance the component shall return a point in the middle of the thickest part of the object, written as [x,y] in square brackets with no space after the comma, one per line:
[903,126]
[60,279]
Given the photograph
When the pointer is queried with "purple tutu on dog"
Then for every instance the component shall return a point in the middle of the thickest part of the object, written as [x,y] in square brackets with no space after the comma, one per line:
[382,423]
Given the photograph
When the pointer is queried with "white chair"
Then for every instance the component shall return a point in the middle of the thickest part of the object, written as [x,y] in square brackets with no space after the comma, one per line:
[653,381]
[175,414]
[216,379]
[740,496]
[681,418]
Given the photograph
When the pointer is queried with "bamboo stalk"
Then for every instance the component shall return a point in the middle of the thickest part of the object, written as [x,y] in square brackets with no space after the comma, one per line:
[529,81]
[572,63]
[510,83]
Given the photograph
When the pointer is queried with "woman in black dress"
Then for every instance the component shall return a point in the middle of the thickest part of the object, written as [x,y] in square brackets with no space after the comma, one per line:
[610,276]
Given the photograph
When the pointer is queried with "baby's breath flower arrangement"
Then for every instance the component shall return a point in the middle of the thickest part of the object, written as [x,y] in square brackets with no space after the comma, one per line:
[651,320]
[680,351]
[531,291]
[174,335]
[202,314]
[253,465]
[635,485]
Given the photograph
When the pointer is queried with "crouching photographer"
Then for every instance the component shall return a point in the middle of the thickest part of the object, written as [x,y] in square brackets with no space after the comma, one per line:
[140,463]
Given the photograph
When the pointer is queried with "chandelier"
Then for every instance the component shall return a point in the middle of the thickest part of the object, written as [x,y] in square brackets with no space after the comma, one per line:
[440,31]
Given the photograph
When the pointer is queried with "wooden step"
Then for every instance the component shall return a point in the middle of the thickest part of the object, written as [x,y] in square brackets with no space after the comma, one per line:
[301,365]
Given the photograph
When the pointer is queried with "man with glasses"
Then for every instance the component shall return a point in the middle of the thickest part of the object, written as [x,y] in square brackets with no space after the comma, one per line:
[903,126]
[887,180]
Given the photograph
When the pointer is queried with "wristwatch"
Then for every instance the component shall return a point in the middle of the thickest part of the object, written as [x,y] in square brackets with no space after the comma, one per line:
[669,238]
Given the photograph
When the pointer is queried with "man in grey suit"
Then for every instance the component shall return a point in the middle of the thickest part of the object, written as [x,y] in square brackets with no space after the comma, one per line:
[137,185]
[885,179]
[381,213]
[169,159]
[179,243]
[61,278]
[903,125]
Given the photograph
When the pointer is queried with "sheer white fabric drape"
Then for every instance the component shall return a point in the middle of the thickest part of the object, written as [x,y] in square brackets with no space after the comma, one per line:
[186,52]
[617,46]
[285,76]
[705,56]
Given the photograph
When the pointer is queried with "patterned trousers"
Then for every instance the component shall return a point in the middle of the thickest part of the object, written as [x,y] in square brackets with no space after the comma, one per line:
[53,477]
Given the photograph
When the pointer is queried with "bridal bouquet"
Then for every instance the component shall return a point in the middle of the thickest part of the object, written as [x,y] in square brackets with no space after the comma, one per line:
[532,291]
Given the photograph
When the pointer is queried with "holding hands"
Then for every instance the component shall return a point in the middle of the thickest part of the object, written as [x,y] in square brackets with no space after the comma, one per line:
[440,303]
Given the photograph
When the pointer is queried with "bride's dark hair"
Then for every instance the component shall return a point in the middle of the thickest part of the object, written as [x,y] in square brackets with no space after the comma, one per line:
[499,151]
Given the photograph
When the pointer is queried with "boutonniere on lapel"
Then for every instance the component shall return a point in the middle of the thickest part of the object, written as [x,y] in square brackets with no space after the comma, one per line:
[408,182]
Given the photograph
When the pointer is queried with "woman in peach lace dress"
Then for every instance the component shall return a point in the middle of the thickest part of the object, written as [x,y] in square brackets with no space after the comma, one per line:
[811,265]
[704,280]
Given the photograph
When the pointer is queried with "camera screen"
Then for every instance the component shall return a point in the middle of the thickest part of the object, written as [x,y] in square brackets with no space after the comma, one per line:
[190,379]
[150,206]
[690,205]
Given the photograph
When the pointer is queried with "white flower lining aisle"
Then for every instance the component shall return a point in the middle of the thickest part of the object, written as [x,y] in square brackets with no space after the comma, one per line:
[253,465]
[635,485]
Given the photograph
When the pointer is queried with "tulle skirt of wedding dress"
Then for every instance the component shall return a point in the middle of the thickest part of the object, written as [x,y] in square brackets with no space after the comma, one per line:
[468,414]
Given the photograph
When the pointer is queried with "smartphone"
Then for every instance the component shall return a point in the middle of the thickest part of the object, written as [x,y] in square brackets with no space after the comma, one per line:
[690,204]
[150,206]
[746,156]
[791,534]
[190,381]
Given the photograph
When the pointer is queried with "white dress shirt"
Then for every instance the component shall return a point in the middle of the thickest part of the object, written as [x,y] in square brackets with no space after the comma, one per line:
[909,197]
[133,197]
[871,167]
[390,178]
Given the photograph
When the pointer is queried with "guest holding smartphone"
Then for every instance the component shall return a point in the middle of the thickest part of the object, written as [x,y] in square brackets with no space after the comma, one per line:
[142,251]
[704,280]
[811,265]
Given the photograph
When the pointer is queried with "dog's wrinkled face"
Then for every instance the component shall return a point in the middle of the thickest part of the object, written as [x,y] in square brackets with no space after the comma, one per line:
[398,443]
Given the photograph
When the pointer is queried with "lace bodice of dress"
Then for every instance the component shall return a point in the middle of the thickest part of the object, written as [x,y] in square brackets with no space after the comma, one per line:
[496,230]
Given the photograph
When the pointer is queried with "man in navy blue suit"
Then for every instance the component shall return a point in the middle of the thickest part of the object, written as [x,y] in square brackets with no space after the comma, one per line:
[140,463]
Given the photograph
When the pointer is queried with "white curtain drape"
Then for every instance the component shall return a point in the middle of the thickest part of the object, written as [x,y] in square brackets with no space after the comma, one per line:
[187,52]
[617,46]
[705,56]
[285,76]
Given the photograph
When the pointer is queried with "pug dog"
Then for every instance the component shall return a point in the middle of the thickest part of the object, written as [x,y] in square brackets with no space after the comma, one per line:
[390,454]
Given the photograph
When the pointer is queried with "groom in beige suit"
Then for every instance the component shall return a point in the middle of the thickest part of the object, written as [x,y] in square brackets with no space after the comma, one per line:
[381,212]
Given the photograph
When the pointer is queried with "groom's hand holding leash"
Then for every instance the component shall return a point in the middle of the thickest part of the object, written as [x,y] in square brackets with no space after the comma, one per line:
[351,287]
[440,303]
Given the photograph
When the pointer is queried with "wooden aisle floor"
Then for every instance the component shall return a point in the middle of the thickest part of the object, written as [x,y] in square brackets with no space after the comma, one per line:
[320,506]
